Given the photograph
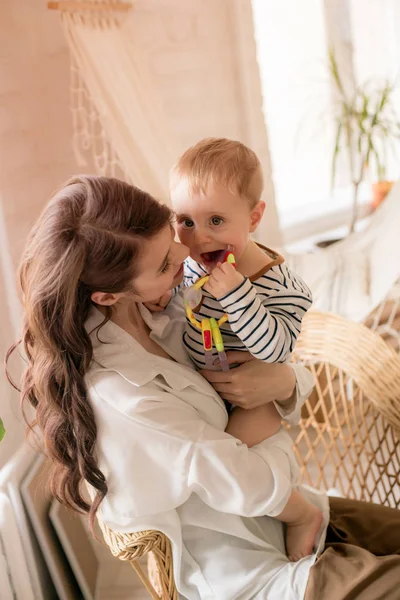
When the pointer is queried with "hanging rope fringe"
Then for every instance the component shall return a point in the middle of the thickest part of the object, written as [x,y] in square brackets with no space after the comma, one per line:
[119,125]
[69,5]
[90,143]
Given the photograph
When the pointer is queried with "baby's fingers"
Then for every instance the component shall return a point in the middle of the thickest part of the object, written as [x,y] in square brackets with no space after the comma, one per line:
[217,273]
[227,268]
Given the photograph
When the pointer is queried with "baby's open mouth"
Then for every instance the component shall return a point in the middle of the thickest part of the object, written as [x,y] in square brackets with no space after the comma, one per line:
[213,257]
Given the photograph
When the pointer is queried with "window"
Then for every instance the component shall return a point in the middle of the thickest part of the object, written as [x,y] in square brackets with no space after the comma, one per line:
[292,42]
[376,44]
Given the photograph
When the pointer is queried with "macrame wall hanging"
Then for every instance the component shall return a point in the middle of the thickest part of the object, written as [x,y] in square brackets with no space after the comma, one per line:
[119,125]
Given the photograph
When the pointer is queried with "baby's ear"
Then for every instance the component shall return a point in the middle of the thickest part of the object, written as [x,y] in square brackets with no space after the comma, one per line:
[256,215]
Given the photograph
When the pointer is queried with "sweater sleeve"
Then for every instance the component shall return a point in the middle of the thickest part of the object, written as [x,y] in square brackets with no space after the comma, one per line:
[268,323]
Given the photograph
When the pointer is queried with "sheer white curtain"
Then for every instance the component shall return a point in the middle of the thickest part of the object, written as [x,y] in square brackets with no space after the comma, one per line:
[123,110]
[115,103]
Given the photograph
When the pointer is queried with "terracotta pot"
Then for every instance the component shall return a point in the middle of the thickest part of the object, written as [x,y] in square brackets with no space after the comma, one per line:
[380,190]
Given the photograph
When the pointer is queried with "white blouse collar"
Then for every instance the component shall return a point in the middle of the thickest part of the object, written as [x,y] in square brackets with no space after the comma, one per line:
[114,349]
[157,322]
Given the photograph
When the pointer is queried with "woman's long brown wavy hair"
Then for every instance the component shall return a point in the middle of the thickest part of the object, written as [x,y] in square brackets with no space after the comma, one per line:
[88,239]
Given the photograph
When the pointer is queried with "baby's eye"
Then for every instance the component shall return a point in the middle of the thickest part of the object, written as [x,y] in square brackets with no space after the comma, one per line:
[216,221]
[187,223]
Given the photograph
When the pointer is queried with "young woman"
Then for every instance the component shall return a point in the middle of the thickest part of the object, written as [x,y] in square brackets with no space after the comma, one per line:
[120,407]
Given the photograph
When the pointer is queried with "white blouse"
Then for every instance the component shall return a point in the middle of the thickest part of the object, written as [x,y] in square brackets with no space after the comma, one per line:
[170,466]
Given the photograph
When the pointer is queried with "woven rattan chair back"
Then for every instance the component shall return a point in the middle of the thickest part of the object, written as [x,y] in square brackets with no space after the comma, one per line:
[348,438]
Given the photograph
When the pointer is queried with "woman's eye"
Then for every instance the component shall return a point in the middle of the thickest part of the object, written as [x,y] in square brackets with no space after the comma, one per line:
[166,267]
[187,223]
[216,221]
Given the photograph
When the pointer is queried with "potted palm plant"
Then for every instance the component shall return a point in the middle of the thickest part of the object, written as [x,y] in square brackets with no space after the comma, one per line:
[366,130]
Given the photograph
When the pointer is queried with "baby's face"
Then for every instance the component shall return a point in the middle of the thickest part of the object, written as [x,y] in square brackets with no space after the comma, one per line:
[208,222]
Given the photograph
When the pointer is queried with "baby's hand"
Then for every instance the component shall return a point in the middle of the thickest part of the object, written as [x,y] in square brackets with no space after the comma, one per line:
[160,304]
[224,278]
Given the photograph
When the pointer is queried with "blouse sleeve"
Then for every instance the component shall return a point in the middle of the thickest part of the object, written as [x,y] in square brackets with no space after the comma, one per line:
[291,411]
[178,453]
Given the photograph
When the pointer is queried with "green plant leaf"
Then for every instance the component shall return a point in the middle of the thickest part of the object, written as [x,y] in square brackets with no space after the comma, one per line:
[364,110]
[385,96]
[2,430]
[360,141]
[336,152]
[380,169]
[367,125]
[335,73]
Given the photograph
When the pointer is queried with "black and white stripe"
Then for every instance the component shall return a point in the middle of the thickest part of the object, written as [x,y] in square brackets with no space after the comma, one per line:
[264,316]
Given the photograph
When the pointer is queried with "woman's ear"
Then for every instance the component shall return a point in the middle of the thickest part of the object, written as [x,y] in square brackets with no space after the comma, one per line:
[256,215]
[104,299]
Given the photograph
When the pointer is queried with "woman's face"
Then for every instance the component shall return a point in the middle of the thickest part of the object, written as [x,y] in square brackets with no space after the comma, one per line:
[160,266]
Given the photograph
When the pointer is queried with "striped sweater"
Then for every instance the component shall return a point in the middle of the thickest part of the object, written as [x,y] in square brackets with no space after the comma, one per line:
[265,313]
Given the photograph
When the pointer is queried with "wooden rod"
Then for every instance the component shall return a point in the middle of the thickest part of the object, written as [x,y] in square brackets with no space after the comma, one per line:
[71,5]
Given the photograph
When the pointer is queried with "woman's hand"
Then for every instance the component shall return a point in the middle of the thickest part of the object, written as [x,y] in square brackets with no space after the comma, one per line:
[253,382]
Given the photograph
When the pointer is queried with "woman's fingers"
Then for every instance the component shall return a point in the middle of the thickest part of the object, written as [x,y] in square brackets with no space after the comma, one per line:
[230,398]
[253,382]
[223,388]
[217,376]
[235,357]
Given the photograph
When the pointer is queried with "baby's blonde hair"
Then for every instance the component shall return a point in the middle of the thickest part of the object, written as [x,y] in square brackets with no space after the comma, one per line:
[222,161]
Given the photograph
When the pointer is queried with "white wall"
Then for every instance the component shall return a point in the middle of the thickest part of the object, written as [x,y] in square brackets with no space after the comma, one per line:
[376,44]
[35,156]
[292,49]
